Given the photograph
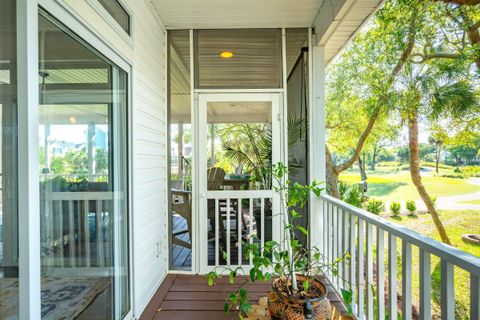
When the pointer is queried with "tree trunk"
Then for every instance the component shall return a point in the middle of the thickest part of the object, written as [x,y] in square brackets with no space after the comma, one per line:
[374,159]
[332,175]
[438,151]
[416,177]
[361,167]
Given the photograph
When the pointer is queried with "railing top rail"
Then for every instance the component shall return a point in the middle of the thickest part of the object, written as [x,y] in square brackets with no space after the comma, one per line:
[82,195]
[237,194]
[453,255]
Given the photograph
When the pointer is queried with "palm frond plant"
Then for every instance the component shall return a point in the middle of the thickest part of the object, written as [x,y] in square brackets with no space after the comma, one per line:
[293,268]
[255,154]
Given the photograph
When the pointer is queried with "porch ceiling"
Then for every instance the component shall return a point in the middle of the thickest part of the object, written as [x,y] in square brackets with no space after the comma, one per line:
[216,14]
[334,21]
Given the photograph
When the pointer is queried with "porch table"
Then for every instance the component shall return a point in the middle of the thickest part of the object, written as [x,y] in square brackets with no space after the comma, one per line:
[236,181]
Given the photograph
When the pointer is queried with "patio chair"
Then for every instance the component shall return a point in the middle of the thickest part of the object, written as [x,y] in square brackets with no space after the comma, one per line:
[182,205]
[216,176]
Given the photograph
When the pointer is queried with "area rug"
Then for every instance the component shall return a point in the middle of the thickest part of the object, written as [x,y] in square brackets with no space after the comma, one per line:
[62,298]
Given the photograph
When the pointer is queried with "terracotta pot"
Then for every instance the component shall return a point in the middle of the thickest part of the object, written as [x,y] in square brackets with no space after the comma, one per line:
[284,307]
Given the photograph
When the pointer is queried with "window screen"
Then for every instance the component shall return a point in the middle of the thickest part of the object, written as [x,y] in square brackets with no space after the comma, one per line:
[180,142]
[118,12]
[256,60]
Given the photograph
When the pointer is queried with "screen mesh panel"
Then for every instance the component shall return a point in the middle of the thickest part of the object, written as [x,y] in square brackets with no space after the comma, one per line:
[179,60]
[296,40]
[256,61]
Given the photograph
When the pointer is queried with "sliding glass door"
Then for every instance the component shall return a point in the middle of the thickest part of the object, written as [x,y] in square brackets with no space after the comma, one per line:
[9,283]
[83,179]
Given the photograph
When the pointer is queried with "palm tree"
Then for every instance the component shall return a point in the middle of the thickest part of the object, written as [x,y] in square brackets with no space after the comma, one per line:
[256,154]
[431,92]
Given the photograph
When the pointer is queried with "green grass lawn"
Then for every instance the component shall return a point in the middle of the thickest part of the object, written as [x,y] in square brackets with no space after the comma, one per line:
[397,186]
[456,223]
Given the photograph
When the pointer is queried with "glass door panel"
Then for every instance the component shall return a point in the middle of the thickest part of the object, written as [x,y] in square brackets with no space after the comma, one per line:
[8,164]
[83,179]
[240,138]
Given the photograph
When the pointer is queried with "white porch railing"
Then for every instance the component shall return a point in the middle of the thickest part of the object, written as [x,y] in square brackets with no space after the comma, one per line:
[77,229]
[234,216]
[353,231]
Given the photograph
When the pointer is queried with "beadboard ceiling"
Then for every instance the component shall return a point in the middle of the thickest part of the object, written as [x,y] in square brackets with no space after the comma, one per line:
[214,14]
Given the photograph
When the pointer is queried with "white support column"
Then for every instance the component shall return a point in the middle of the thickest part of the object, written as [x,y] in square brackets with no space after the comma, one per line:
[28,178]
[316,125]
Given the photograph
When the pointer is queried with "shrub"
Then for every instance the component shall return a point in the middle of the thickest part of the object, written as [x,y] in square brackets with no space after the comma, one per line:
[354,196]
[343,188]
[457,170]
[433,165]
[375,206]
[388,164]
[395,209]
[411,206]
[351,193]
[471,171]
[453,176]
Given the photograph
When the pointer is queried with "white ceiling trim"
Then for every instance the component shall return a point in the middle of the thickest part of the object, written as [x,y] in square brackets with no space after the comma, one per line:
[219,14]
[338,20]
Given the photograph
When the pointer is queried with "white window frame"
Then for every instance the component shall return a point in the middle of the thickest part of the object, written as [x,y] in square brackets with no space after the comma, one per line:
[28,167]
[100,9]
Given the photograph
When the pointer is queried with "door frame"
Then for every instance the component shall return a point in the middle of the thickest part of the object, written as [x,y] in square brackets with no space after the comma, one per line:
[199,236]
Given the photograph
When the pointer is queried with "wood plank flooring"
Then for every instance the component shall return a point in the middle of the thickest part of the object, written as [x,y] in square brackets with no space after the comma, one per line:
[189,297]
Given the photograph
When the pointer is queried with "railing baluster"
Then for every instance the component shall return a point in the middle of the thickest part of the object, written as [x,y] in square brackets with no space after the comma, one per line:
[216,231]
[239,230]
[447,295]
[425,286]
[262,218]
[369,282]
[79,234]
[228,232]
[324,238]
[474,297]
[71,233]
[339,245]
[250,225]
[86,238]
[98,215]
[335,242]
[406,280]
[60,221]
[329,236]
[353,257]
[346,221]
[380,274]
[361,268]
[392,276]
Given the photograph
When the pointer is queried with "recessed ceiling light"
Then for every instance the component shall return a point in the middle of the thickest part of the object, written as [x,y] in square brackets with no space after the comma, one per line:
[72,120]
[226,54]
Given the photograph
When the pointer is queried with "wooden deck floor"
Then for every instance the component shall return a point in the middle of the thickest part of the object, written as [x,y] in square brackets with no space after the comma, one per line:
[189,297]
[181,256]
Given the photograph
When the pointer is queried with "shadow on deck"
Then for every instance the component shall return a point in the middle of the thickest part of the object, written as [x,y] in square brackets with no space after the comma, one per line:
[189,297]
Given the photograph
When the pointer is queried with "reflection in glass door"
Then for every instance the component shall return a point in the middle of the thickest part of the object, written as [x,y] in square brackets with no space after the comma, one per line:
[8,164]
[240,136]
[83,179]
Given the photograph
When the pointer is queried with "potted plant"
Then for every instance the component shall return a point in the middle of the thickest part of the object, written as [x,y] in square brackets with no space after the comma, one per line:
[297,291]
